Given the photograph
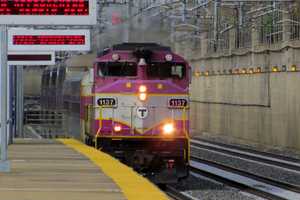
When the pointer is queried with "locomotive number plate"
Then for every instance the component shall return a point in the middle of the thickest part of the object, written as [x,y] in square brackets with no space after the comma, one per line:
[107,102]
[177,103]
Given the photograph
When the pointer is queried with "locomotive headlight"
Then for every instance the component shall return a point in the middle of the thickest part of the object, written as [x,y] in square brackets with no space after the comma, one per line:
[168,129]
[142,88]
[117,128]
[142,93]
[142,96]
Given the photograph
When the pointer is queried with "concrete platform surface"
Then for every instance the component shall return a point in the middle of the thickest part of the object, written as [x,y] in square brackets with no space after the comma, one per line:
[66,169]
[49,170]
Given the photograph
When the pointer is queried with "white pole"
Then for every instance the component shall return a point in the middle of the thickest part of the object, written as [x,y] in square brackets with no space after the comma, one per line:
[129,22]
[19,101]
[4,164]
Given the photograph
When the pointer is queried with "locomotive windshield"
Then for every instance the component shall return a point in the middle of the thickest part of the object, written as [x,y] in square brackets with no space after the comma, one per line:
[117,69]
[166,70]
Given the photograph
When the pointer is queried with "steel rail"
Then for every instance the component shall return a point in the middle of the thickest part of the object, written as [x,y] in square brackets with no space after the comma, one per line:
[240,184]
[177,195]
[251,154]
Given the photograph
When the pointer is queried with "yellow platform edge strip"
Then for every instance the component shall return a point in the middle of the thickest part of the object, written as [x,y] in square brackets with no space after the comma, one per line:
[133,185]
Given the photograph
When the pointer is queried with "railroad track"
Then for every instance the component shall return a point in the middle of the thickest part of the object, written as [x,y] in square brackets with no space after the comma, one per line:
[245,181]
[178,195]
[275,160]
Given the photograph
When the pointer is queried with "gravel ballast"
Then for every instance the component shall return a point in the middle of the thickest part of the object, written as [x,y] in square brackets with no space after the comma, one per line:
[265,170]
[206,189]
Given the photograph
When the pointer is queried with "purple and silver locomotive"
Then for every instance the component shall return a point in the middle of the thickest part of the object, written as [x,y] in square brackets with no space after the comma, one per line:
[133,104]
[135,107]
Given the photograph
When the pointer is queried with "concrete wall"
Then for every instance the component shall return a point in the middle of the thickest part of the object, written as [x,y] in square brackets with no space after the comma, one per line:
[251,108]
[262,108]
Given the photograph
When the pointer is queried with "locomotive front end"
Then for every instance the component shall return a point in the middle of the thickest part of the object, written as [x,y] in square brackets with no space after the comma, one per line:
[141,110]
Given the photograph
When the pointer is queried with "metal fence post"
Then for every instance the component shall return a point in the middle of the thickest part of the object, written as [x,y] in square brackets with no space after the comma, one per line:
[4,163]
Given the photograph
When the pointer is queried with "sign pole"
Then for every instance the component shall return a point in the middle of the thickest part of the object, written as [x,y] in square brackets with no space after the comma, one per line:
[19,102]
[4,163]
[84,14]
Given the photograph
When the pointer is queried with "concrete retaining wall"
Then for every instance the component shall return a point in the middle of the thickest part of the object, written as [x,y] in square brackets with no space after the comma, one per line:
[262,107]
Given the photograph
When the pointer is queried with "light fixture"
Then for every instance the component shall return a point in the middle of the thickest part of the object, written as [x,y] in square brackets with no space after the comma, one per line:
[250,71]
[143,96]
[128,85]
[168,129]
[275,69]
[160,86]
[142,92]
[293,68]
[115,57]
[244,71]
[197,73]
[169,57]
[142,88]
[258,70]
[117,128]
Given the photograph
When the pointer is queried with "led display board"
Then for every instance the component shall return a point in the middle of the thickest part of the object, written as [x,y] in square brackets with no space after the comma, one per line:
[48,40]
[31,58]
[55,12]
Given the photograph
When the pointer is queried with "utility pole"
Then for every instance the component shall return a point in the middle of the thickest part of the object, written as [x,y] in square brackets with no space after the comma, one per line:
[129,21]
[184,11]
[241,14]
[216,18]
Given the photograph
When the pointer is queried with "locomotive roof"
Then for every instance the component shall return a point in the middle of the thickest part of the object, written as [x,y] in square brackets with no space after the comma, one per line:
[145,46]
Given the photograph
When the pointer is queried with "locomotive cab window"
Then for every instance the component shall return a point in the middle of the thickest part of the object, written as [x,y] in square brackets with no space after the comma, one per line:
[166,70]
[116,69]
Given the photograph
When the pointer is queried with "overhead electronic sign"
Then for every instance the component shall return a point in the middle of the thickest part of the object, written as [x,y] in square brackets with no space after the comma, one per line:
[53,12]
[48,40]
[31,58]
[39,12]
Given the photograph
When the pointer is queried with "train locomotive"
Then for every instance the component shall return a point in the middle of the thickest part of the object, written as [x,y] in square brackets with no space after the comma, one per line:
[134,105]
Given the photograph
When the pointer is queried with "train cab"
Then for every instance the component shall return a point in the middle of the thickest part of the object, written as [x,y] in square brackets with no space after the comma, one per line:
[140,109]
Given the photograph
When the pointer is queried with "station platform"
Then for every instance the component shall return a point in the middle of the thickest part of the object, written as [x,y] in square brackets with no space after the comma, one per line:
[69,170]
